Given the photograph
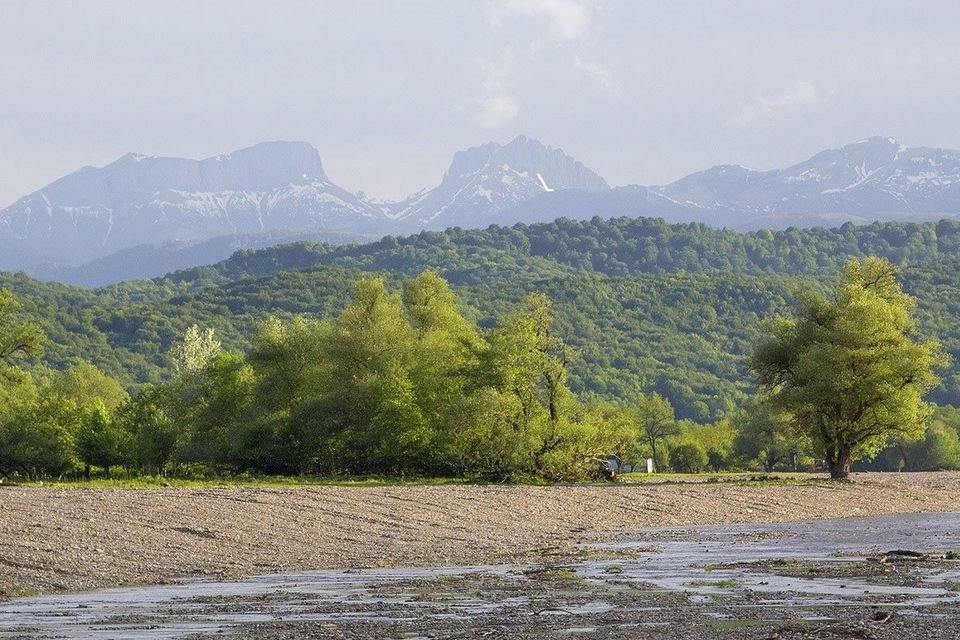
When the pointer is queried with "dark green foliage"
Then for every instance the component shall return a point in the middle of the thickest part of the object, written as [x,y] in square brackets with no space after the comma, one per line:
[150,432]
[644,307]
[688,457]
[672,309]
[99,441]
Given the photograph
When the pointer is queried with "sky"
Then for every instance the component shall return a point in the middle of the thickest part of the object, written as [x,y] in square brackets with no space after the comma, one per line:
[640,91]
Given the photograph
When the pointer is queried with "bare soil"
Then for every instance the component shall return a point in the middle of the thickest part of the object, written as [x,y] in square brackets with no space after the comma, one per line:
[76,539]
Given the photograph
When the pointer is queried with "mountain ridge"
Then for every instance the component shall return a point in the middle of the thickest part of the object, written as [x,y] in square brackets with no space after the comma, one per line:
[281,187]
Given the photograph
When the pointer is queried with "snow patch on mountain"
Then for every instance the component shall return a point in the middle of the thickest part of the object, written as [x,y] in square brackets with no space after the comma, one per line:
[282,187]
[484,182]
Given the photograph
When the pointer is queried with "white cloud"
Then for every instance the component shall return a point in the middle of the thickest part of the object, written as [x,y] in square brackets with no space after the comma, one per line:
[564,19]
[497,107]
[497,111]
[599,73]
[556,22]
[764,110]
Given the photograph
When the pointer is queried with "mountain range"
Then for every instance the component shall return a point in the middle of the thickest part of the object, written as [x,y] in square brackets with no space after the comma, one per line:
[144,216]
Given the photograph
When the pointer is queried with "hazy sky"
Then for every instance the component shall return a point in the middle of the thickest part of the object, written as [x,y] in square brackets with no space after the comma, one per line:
[642,92]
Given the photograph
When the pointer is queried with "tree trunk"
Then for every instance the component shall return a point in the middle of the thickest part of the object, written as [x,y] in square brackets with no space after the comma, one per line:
[840,466]
[653,446]
[769,463]
[86,472]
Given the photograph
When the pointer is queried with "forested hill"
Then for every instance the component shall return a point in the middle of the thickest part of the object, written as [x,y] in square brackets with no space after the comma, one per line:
[618,246]
[649,306]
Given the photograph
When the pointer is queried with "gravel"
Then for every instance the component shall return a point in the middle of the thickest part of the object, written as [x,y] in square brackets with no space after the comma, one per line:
[66,539]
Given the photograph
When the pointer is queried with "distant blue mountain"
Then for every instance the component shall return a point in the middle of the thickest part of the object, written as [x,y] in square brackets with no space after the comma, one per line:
[179,213]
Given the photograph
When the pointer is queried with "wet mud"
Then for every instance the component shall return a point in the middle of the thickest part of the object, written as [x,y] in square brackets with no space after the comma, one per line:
[888,577]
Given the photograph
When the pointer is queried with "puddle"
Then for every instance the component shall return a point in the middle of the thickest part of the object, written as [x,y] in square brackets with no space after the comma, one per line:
[694,560]
[132,611]
[679,561]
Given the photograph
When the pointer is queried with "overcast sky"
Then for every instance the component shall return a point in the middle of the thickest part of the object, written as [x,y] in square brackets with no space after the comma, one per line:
[642,92]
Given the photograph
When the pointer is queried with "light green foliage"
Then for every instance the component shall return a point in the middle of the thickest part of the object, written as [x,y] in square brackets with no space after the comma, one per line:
[614,430]
[657,423]
[526,363]
[18,339]
[445,358]
[210,406]
[372,399]
[764,436]
[641,305]
[197,349]
[938,449]
[18,395]
[293,368]
[86,385]
[41,441]
[397,384]
[716,438]
[847,368]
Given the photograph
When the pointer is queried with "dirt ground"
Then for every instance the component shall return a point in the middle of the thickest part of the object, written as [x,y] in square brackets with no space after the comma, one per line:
[75,539]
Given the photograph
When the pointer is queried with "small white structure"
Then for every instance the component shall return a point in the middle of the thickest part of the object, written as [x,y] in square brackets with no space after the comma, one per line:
[650,468]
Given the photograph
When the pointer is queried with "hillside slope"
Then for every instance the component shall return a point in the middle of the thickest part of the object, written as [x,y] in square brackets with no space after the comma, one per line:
[649,306]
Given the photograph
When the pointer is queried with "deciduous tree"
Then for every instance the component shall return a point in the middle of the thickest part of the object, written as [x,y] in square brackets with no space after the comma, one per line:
[657,423]
[848,369]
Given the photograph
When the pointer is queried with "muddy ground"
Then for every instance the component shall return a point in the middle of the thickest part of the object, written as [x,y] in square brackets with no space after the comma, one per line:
[826,579]
[558,607]
[55,540]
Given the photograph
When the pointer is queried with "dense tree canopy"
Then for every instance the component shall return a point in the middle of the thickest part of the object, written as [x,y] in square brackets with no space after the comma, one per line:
[239,365]
[847,368]
[671,309]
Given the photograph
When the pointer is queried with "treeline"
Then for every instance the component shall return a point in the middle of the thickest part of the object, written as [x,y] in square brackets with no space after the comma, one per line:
[672,309]
[397,384]
[400,382]
[616,247]
[685,336]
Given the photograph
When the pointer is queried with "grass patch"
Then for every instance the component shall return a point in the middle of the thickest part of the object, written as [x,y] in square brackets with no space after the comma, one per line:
[723,477]
[203,481]
[154,482]
[562,574]
[720,584]
[565,574]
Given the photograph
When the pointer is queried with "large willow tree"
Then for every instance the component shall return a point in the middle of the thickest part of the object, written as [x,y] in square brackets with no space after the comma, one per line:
[848,368]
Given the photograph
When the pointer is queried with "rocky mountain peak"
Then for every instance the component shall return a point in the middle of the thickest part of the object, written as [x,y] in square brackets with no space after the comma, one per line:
[268,165]
[524,155]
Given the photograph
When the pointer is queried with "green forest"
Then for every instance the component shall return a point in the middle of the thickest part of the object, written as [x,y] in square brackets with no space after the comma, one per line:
[529,351]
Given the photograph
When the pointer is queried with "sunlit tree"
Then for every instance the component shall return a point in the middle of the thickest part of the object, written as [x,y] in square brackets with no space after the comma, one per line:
[848,369]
